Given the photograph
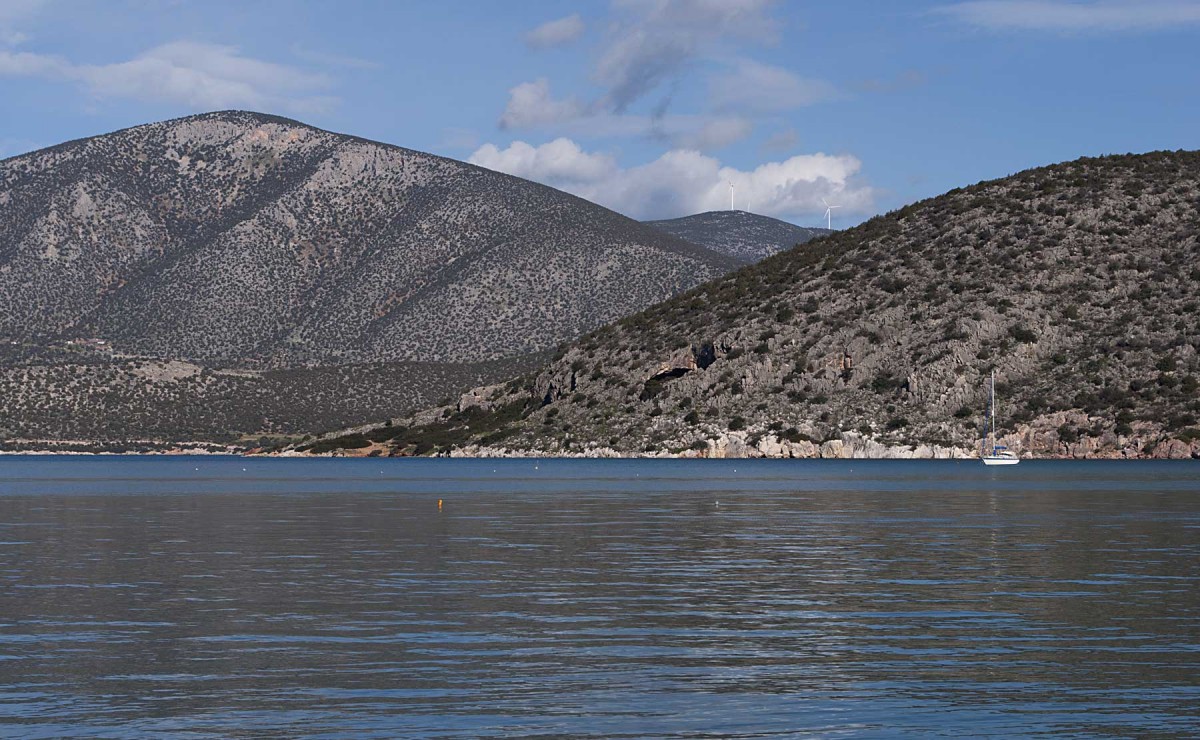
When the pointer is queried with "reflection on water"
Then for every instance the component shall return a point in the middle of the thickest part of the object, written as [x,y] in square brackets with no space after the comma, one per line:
[191,598]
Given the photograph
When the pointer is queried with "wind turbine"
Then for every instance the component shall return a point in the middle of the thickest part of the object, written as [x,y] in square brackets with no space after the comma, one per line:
[731,195]
[829,214]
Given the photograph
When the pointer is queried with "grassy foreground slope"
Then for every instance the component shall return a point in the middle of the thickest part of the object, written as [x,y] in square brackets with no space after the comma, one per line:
[1078,284]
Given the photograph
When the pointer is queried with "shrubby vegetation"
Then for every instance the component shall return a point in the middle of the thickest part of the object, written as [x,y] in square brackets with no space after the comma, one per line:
[1077,284]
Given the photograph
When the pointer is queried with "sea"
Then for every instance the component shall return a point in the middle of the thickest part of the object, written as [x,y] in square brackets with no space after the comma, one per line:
[225,597]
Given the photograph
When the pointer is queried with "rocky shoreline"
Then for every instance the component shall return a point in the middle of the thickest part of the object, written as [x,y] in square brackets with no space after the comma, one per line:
[848,446]
[1038,441]
[84,447]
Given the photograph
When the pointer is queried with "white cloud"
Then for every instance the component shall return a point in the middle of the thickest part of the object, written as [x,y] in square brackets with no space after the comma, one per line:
[556,32]
[743,19]
[639,61]
[652,42]
[11,37]
[1058,15]
[658,39]
[204,76]
[201,76]
[710,135]
[25,64]
[14,13]
[531,104]
[683,181]
[560,162]
[757,87]
[648,49]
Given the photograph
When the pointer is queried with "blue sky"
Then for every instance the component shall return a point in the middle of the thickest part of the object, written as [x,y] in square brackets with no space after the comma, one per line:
[651,107]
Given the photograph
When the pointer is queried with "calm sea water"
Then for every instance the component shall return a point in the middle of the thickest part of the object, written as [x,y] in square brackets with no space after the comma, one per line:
[220,597]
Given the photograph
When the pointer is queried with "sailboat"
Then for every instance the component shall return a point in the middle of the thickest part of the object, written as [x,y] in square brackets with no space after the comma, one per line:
[996,454]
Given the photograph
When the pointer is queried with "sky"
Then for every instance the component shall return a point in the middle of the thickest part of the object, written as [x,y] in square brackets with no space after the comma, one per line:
[650,107]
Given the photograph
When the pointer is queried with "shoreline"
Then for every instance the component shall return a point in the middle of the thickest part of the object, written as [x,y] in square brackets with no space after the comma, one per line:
[567,456]
[747,445]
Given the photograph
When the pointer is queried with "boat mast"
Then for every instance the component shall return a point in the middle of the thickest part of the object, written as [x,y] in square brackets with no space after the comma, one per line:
[992,405]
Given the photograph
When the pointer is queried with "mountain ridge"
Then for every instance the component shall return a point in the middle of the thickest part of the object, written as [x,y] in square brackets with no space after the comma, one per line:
[747,237]
[236,239]
[192,231]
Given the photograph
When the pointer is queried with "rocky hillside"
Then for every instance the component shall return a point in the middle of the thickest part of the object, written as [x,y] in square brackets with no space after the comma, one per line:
[52,398]
[1079,284]
[746,237]
[243,241]
[236,236]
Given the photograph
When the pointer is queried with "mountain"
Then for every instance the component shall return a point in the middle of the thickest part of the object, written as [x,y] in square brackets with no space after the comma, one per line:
[746,237]
[242,241]
[1078,284]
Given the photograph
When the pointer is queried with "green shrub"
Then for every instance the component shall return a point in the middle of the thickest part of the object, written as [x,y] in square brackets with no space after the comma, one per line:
[1022,334]
[652,388]
[345,442]
[1068,434]
[885,382]
[792,434]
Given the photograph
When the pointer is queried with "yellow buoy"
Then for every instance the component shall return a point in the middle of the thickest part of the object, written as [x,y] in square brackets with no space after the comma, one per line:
[439,504]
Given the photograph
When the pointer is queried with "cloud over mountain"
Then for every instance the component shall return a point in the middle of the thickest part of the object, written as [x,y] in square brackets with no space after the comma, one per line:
[648,50]
[194,74]
[684,181]
[680,74]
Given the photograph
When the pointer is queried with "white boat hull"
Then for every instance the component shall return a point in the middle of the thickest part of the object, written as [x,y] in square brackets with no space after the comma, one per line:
[1001,460]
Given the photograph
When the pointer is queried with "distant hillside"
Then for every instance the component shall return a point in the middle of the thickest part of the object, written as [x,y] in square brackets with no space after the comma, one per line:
[135,404]
[1079,284]
[746,237]
[246,241]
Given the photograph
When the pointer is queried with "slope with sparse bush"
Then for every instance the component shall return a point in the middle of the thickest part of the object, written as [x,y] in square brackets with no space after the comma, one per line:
[1078,284]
